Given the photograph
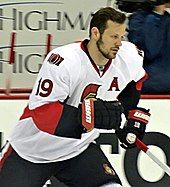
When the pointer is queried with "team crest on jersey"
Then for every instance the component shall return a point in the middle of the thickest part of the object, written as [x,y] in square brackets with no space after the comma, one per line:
[55,59]
[90,91]
[108,169]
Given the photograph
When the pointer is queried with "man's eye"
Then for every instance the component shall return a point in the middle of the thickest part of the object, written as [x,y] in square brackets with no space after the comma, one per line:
[123,38]
[115,36]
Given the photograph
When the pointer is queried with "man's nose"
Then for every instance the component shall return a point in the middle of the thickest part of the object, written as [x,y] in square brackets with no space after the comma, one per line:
[119,42]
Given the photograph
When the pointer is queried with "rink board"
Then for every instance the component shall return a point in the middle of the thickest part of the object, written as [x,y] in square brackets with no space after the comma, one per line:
[133,167]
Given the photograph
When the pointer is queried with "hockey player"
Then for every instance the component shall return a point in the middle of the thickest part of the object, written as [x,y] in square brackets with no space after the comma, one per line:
[81,88]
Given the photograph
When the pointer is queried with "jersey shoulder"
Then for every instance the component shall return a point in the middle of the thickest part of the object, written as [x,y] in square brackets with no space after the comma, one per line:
[130,60]
[130,54]
[129,48]
[69,52]
[69,56]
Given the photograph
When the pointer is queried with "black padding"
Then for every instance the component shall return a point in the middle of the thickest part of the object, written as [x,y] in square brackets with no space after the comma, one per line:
[107,114]
[129,97]
[69,125]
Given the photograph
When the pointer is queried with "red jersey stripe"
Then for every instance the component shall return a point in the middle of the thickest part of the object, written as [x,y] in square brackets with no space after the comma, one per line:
[45,117]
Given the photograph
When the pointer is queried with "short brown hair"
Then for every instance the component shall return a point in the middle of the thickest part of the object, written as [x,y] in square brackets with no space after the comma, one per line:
[101,17]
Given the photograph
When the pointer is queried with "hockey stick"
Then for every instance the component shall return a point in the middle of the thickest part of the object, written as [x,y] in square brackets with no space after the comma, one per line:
[145,149]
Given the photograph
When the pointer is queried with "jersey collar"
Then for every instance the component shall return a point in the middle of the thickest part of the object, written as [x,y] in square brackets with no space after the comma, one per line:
[84,48]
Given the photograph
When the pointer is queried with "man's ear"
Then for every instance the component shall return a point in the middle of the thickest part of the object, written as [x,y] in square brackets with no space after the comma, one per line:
[95,33]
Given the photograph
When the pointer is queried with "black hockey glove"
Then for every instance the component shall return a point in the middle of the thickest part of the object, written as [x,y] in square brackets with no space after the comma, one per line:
[100,114]
[133,128]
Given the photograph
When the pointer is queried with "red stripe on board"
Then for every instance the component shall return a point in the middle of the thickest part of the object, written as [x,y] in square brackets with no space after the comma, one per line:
[14,97]
[15,94]
[48,46]
[12,52]
[26,97]
[156,96]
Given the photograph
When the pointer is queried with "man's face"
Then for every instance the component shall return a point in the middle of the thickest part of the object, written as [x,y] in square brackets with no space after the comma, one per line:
[110,41]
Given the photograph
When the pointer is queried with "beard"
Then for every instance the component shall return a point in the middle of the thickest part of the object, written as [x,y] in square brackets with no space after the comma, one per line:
[102,50]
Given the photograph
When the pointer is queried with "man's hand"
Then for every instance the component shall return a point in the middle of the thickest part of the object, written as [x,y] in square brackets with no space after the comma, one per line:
[100,114]
[133,128]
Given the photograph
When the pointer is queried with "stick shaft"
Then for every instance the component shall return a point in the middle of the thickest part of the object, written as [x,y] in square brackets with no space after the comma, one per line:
[145,149]
[165,167]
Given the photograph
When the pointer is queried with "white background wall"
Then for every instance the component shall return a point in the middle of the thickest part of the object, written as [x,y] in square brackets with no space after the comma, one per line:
[31,21]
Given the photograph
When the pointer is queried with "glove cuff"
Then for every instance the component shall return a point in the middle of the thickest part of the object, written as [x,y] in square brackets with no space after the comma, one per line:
[141,115]
[88,114]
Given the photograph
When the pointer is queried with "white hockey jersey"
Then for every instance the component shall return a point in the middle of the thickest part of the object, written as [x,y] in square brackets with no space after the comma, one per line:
[69,75]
